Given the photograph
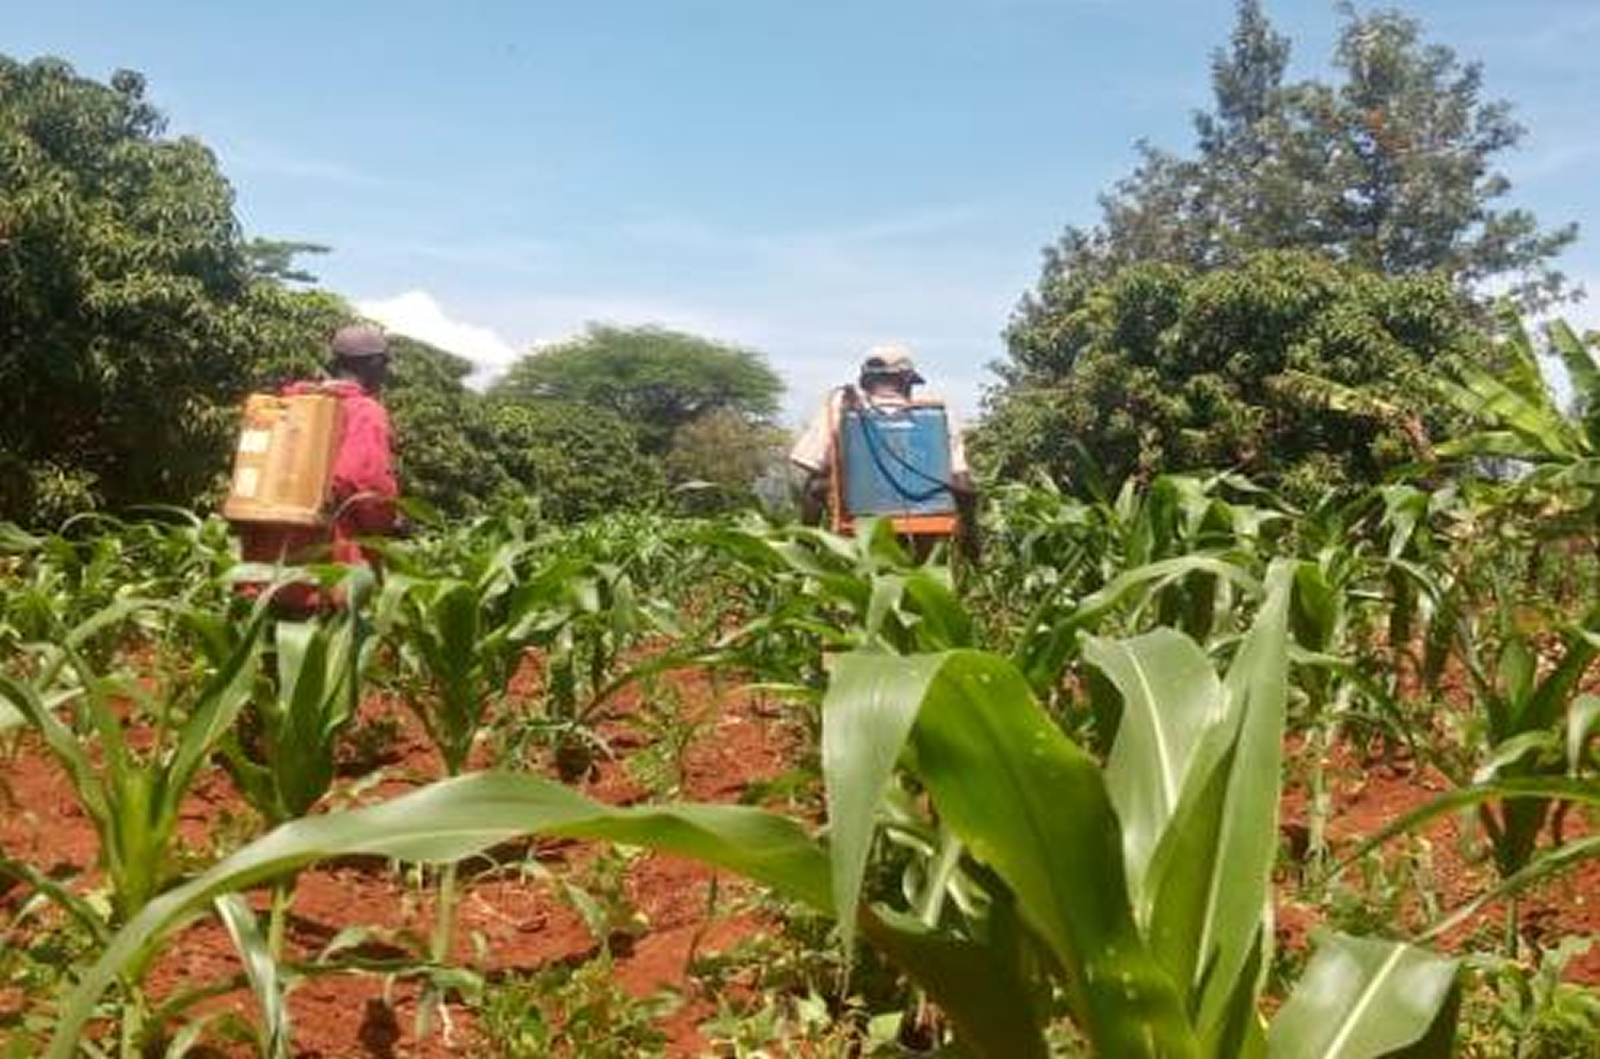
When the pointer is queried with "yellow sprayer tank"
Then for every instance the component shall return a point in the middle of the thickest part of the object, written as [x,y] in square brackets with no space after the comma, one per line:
[283,467]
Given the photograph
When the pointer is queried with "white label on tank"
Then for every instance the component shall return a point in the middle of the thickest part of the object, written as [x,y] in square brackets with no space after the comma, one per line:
[246,482]
[254,442]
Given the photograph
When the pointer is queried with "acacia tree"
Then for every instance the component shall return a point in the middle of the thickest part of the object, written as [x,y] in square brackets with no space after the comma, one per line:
[656,379]
[1390,167]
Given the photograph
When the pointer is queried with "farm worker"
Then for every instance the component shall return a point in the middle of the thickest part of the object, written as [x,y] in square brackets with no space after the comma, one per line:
[886,379]
[363,485]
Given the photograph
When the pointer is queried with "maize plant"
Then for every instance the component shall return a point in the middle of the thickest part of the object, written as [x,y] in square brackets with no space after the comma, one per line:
[1537,761]
[1132,898]
[132,794]
[458,642]
[584,614]
[282,754]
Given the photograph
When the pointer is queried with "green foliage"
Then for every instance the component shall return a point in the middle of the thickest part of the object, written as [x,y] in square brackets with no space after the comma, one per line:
[288,331]
[135,315]
[1161,368]
[1192,916]
[282,757]
[656,379]
[1069,843]
[452,820]
[579,1013]
[576,462]
[1532,1013]
[717,459]
[1389,167]
[1332,1015]
[1517,417]
[131,316]
[448,451]
[134,794]
[1158,944]
[460,639]
[275,258]
[68,581]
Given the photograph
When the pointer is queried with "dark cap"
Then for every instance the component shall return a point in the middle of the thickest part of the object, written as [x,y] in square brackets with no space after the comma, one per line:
[359,341]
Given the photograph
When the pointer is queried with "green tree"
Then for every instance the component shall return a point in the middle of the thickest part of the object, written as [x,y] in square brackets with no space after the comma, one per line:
[275,258]
[717,459]
[444,438]
[1390,167]
[577,461]
[654,378]
[133,316]
[1289,367]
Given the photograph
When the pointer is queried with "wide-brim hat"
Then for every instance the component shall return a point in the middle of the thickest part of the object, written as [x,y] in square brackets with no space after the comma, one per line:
[891,360]
[359,341]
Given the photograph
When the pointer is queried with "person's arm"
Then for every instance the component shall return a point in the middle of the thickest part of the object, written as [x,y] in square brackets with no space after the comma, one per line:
[810,456]
[966,497]
[962,487]
[364,486]
[813,498]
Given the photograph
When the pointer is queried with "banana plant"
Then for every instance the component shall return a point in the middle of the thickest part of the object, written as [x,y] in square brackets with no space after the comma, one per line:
[1137,894]
[1519,419]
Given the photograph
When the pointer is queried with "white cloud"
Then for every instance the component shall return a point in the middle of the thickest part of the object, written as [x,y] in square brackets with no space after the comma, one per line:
[418,314]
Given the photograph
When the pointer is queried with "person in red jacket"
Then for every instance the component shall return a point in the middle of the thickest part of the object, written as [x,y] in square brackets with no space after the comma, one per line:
[363,488]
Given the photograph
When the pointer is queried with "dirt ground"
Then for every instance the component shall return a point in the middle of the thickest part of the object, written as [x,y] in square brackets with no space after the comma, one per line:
[513,919]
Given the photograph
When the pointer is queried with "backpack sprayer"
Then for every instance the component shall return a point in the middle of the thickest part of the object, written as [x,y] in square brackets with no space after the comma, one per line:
[283,464]
[892,461]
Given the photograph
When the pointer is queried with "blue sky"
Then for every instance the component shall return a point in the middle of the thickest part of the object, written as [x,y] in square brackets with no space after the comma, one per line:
[801,178]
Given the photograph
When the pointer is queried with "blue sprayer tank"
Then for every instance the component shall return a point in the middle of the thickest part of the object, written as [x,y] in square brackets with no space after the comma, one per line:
[895,460]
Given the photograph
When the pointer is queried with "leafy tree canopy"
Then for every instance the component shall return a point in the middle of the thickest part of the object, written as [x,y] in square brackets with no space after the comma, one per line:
[1296,370]
[132,314]
[717,460]
[1389,167]
[135,315]
[654,378]
[277,258]
[577,461]
[444,435]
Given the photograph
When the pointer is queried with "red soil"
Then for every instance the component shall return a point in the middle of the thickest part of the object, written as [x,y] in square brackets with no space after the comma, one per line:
[509,921]
[514,922]
[1453,863]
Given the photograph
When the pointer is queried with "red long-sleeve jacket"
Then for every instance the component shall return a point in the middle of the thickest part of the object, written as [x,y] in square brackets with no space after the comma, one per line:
[363,489]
